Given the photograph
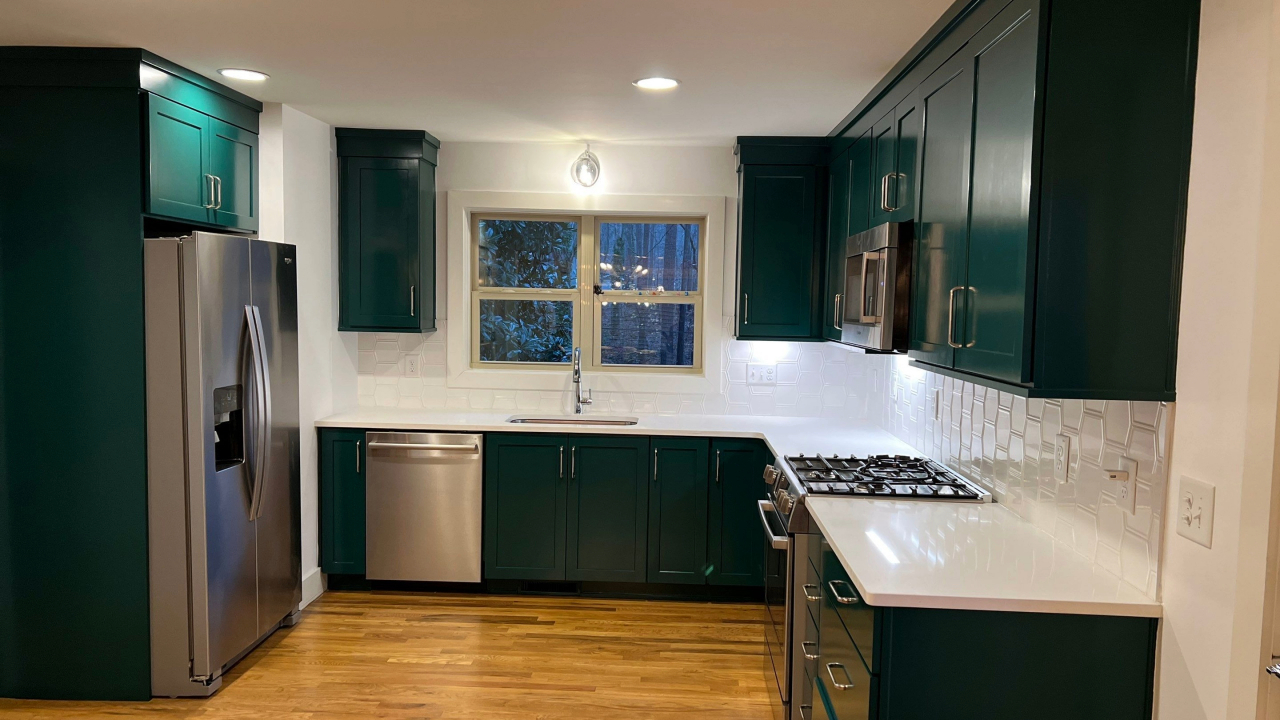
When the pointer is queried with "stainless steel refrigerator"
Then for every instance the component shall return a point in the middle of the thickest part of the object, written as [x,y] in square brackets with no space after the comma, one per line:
[222,453]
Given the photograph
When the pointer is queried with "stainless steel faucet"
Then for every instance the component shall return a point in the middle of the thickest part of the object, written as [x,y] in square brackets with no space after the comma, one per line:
[578,400]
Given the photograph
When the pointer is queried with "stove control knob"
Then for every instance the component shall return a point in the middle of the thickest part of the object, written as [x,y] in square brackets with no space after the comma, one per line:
[770,474]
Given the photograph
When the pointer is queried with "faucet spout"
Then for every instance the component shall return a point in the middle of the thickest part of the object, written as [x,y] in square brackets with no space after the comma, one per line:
[578,399]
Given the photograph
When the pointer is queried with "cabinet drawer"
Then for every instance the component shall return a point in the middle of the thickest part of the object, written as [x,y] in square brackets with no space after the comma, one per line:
[841,675]
[810,591]
[841,599]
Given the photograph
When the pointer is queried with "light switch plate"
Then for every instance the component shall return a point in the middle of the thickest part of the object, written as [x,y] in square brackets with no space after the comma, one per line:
[412,366]
[1195,510]
[762,374]
[1061,458]
[1126,490]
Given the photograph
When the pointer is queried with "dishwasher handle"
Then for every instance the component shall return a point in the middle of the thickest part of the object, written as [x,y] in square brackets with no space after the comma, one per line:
[474,448]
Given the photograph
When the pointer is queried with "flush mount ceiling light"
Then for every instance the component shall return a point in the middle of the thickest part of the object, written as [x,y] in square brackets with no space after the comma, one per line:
[586,169]
[242,74]
[656,83]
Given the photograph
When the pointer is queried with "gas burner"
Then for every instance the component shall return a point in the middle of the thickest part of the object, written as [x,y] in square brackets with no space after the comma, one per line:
[895,476]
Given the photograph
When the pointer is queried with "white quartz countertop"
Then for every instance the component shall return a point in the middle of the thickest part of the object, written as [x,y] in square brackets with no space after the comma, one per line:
[784,436]
[967,556]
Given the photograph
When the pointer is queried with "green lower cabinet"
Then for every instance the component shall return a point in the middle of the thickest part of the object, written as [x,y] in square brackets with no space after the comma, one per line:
[608,509]
[524,489]
[735,548]
[342,464]
[678,510]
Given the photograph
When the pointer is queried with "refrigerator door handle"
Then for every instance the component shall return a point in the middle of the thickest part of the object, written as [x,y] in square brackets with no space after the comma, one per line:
[267,420]
[258,468]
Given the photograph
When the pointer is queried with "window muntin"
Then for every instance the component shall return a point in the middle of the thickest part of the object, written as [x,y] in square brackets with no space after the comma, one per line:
[634,295]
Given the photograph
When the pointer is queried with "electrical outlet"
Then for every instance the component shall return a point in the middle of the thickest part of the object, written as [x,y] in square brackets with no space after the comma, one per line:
[1061,458]
[762,374]
[1195,511]
[413,366]
[1126,485]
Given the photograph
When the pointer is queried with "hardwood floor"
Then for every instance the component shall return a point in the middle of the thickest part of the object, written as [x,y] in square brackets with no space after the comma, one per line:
[403,655]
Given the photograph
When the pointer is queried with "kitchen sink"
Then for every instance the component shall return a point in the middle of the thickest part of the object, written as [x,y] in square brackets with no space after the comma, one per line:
[573,420]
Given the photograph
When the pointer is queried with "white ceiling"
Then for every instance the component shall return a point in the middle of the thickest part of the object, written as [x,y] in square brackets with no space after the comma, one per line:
[520,70]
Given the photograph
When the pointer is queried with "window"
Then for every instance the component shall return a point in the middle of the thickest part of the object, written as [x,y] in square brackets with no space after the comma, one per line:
[627,290]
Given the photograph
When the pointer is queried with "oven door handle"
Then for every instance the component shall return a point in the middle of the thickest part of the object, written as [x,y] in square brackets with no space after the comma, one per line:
[778,543]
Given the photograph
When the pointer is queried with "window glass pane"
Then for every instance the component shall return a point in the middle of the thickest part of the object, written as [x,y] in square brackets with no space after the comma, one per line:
[640,333]
[528,254]
[526,331]
[649,256]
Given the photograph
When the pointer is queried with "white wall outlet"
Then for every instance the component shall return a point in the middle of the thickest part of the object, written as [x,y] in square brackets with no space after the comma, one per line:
[1061,458]
[413,366]
[762,374]
[1195,511]
[1125,484]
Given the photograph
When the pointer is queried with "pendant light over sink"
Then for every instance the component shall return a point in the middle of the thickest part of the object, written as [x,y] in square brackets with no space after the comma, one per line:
[586,169]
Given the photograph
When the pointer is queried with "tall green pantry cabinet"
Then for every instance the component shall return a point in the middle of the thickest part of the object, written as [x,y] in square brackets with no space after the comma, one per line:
[98,148]
[387,230]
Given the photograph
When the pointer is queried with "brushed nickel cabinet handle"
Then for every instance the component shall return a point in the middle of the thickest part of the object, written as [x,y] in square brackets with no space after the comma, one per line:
[217,183]
[836,321]
[839,685]
[561,462]
[811,598]
[655,466]
[850,599]
[717,467]
[746,308]
[804,647]
[972,313]
[358,456]
[413,311]
[208,187]
[951,316]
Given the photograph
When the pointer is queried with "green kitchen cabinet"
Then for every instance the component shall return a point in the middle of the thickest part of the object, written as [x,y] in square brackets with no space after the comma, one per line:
[735,548]
[782,201]
[608,509]
[386,218]
[678,496]
[342,466]
[837,237]
[895,139]
[199,168]
[525,506]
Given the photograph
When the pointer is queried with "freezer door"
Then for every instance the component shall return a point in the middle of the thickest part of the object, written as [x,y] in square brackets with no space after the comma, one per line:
[224,556]
[278,514]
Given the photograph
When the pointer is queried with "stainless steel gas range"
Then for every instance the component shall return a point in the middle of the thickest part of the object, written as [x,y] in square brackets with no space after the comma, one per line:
[789,535]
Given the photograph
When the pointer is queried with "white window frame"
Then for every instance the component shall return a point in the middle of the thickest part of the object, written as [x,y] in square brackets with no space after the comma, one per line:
[462,307]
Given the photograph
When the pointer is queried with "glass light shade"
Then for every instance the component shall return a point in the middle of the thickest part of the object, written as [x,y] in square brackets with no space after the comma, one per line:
[243,74]
[586,169]
[656,83]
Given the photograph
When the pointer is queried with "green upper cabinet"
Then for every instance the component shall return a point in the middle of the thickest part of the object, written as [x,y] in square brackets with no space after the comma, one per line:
[342,465]
[678,510]
[233,163]
[1040,267]
[782,200]
[200,169]
[837,236]
[860,184]
[608,509]
[735,548]
[386,208]
[524,501]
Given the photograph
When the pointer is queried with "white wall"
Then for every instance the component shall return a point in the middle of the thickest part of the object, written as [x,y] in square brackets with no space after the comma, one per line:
[1212,644]
[299,206]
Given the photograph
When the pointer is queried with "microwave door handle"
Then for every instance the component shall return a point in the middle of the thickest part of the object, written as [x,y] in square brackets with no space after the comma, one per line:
[863,311]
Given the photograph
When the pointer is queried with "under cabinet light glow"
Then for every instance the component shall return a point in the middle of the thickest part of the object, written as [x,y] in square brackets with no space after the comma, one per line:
[656,83]
[242,74]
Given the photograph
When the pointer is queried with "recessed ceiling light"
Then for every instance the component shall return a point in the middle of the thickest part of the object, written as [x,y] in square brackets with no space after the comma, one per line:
[242,74]
[656,83]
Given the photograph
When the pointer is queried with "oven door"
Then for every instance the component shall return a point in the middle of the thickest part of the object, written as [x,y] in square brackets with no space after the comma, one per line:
[777,596]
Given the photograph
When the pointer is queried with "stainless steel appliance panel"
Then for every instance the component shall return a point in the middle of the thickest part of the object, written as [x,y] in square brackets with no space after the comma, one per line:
[778,574]
[423,507]
[278,516]
[877,289]
[223,295]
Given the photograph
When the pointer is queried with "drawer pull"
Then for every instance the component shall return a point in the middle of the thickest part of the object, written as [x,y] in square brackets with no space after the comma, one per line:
[850,599]
[804,647]
[811,597]
[839,685]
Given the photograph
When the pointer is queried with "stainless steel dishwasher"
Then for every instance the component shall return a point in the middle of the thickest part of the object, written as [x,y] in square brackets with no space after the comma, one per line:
[423,507]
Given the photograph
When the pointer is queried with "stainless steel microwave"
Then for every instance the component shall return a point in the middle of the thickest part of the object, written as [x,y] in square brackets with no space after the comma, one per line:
[874,309]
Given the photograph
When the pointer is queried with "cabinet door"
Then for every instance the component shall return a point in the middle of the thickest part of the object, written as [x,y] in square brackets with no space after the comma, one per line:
[781,252]
[608,509]
[884,164]
[379,218]
[342,464]
[941,237]
[735,543]
[837,237]
[994,326]
[908,125]
[179,184]
[524,506]
[233,162]
[678,511]
[860,183]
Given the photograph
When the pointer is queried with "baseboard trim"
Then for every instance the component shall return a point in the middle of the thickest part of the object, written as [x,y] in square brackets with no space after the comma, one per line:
[312,587]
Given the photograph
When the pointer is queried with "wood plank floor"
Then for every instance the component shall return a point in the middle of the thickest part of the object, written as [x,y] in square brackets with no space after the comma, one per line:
[403,655]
